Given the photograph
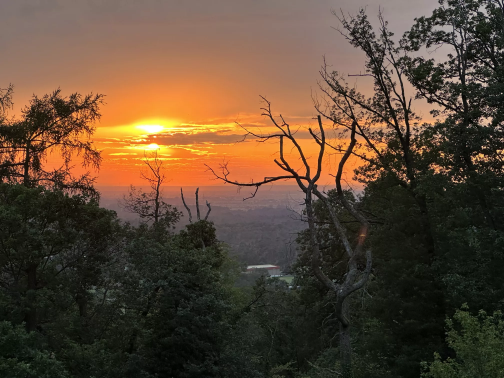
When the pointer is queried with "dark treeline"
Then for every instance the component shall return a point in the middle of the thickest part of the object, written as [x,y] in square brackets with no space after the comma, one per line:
[403,280]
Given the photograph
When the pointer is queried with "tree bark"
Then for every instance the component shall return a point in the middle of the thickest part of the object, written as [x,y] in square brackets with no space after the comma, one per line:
[345,344]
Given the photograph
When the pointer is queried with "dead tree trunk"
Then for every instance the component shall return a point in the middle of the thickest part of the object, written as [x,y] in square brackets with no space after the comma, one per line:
[198,214]
[354,278]
[150,205]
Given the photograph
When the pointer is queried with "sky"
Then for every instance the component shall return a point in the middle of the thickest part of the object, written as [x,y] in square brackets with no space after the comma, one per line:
[178,75]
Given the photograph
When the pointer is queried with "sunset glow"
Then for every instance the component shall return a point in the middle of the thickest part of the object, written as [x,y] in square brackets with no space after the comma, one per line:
[151,129]
[189,97]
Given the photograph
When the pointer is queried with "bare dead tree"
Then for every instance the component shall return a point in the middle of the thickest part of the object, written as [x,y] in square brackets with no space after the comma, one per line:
[355,278]
[198,225]
[198,215]
[150,206]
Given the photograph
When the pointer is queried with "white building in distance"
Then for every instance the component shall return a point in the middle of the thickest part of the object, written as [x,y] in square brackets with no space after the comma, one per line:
[272,270]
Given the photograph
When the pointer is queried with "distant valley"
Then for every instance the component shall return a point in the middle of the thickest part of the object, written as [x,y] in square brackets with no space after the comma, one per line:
[260,230]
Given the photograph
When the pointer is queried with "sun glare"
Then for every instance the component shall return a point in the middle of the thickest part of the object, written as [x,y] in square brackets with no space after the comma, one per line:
[151,129]
[152,146]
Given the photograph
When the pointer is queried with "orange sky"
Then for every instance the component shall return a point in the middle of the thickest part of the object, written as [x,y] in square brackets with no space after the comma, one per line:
[194,68]
[186,148]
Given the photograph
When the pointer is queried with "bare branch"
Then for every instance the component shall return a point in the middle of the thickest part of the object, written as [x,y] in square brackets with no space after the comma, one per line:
[225,173]
[197,205]
[185,205]
[209,210]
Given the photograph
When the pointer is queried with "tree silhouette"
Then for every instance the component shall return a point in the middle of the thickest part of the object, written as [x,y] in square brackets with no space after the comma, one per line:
[355,277]
[50,124]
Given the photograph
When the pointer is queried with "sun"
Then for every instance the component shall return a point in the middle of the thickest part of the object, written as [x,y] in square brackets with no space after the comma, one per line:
[151,129]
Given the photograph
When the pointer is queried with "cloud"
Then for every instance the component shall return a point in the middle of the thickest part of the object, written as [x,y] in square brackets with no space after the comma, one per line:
[186,153]
[208,138]
[182,139]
